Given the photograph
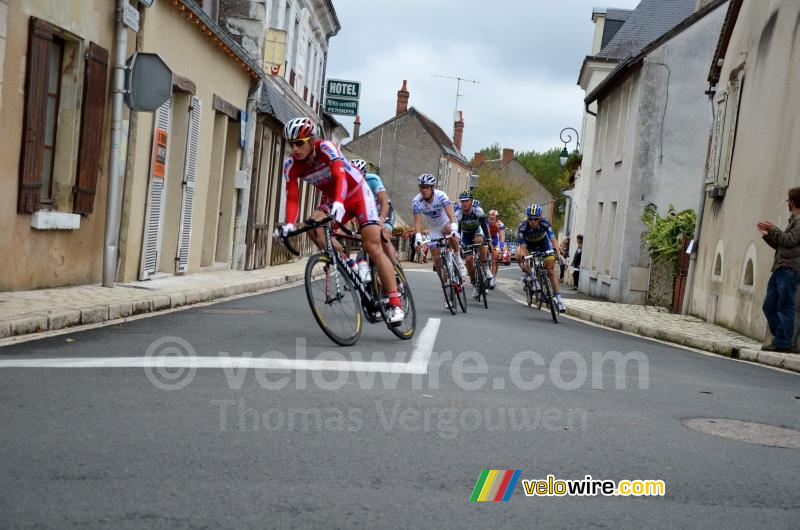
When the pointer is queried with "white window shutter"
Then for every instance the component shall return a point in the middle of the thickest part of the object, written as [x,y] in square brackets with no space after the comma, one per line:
[731,123]
[189,178]
[715,150]
[154,212]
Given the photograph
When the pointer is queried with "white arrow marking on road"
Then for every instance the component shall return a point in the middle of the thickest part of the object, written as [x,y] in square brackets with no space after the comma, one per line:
[418,364]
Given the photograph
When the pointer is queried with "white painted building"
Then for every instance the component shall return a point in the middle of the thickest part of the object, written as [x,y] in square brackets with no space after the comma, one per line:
[650,140]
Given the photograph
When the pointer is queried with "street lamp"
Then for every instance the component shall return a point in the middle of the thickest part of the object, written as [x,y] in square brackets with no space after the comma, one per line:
[564,156]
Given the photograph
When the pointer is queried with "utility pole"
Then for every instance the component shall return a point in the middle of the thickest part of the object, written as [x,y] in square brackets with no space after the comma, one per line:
[458,88]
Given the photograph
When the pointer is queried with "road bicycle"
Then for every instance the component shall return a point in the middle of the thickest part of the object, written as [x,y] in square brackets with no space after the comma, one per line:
[481,281]
[453,285]
[339,297]
[537,285]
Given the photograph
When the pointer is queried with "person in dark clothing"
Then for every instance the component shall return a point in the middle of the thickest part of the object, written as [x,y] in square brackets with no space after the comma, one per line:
[780,303]
[576,263]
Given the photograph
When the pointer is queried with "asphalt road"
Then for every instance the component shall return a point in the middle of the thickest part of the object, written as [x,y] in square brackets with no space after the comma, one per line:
[107,447]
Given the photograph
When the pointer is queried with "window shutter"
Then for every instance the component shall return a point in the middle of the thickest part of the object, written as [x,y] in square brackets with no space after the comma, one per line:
[40,33]
[731,124]
[715,150]
[92,120]
[189,177]
[155,192]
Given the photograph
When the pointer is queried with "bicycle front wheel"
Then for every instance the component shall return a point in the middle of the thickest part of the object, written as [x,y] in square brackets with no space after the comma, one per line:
[447,283]
[480,280]
[460,286]
[338,312]
[548,296]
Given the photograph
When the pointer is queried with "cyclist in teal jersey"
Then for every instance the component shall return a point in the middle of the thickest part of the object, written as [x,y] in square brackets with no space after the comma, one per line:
[383,204]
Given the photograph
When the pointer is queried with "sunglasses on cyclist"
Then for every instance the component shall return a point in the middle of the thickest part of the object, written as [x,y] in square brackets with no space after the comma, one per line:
[534,218]
[299,142]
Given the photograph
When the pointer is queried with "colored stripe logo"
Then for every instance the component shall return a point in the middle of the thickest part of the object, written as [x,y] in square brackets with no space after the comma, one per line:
[495,485]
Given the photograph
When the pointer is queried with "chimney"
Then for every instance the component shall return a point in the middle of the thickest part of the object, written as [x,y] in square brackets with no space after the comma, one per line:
[402,99]
[478,159]
[357,127]
[508,155]
[458,131]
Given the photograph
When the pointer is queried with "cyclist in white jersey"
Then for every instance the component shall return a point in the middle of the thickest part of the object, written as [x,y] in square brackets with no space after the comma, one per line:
[434,205]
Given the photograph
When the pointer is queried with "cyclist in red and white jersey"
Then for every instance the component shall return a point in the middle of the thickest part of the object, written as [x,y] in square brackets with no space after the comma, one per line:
[346,196]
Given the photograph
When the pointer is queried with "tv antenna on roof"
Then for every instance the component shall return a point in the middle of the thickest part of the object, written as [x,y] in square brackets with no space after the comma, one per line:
[458,88]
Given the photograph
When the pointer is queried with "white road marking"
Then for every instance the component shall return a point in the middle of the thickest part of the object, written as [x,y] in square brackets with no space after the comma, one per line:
[417,364]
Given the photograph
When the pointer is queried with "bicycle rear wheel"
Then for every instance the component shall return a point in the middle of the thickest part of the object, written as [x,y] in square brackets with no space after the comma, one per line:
[447,283]
[337,313]
[548,295]
[404,330]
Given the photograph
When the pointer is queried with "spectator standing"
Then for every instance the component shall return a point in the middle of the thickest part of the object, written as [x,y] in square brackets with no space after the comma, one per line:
[576,263]
[780,303]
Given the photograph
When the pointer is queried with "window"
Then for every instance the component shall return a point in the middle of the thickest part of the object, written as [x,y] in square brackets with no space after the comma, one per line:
[53,126]
[55,55]
[622,128]
[612,229]
[598,222]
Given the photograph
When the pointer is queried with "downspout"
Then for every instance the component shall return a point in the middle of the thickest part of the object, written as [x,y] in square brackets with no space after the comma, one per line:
[111,239]
[246,165]
[687,297]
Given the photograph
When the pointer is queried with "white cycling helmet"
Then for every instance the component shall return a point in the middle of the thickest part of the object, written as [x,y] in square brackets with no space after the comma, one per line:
[426,179]
[360,164]
[299,128]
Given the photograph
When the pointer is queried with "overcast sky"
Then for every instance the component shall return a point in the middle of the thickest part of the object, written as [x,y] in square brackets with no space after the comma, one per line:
[526,55]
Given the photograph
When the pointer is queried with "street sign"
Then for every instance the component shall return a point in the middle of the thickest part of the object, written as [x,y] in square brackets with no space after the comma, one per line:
[130,17]
[343,89]
[148,80]
[342,106]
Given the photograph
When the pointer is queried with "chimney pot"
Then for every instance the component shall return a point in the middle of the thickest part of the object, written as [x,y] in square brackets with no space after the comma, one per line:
[402,98]
[357,127]
[458,131]
[508,155]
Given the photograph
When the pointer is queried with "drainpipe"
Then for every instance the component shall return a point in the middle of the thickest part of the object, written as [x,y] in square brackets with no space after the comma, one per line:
[243,201]
[687,297]
[111,240]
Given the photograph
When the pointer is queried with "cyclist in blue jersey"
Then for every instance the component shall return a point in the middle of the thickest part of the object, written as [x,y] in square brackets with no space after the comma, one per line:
[536,235]
[474,229]
[383,204]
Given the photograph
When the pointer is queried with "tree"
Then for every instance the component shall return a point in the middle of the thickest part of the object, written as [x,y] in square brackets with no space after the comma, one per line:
[546,167]
[496,194]
[492,152]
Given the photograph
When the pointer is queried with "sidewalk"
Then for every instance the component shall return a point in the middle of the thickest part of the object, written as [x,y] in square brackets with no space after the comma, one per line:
[659,323]
[23,312]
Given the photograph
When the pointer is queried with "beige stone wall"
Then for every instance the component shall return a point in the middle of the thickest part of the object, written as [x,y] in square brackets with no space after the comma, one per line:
[765,163]
[31,258]
[192,54]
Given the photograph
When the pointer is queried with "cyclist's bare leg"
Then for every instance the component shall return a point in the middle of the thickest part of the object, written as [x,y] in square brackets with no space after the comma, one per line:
[470,268]
[437,261]
[483,251]
[550,265]
[371,241]
[388,248]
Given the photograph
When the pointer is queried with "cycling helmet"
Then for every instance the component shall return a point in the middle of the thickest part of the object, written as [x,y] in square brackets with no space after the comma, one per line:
[299,128]
[533,211]
[464,195]
[493,213]
[360,164]
[476,203]
[426,179]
